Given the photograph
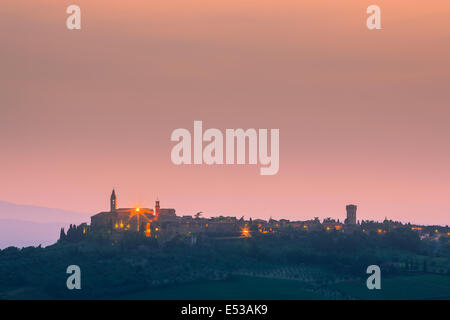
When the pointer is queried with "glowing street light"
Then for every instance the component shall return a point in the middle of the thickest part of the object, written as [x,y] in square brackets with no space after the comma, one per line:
[245,232]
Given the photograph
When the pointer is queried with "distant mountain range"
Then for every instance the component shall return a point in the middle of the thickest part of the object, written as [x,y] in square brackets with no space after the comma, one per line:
[25,225]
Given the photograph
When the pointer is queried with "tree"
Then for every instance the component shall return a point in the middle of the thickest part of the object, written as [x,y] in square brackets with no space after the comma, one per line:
[62,235]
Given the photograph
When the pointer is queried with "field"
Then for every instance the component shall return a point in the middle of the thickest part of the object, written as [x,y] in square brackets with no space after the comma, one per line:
[425,286]
[308,266]
[403,288]
[241,287]
[246,287]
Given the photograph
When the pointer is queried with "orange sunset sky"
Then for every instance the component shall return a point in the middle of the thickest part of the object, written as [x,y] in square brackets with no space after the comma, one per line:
[364,116]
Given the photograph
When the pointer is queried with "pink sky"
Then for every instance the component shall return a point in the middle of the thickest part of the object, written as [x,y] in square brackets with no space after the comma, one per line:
[363,115]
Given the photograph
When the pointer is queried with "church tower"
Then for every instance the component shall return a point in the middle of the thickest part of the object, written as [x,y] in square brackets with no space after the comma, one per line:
[113,201]
[157,207]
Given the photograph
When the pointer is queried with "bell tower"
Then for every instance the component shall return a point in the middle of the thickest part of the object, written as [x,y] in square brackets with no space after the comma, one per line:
[113,202]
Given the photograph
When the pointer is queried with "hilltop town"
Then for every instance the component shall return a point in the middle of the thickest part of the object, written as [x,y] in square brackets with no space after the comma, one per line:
[163,224]
[145,252]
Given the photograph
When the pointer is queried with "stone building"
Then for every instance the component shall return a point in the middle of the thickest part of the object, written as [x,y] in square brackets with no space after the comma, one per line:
[351,214]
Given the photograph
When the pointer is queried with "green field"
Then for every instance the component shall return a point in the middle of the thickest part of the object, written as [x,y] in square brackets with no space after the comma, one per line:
[426,286]
[243,287]
[303,267]
[403,288]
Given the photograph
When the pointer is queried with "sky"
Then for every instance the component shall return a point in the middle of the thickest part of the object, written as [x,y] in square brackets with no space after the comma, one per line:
[363,115]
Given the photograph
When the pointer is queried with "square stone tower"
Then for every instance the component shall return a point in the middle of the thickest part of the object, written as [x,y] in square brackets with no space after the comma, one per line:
[351,214]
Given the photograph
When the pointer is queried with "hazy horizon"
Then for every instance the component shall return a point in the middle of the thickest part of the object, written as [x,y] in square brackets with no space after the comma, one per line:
[86,215]
[28,225]
[363,115]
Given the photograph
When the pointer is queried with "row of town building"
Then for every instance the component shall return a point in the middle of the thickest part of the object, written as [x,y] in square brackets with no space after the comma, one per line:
[163,223]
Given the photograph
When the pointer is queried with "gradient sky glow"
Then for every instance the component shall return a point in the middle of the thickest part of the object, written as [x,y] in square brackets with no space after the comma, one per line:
[364,116]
